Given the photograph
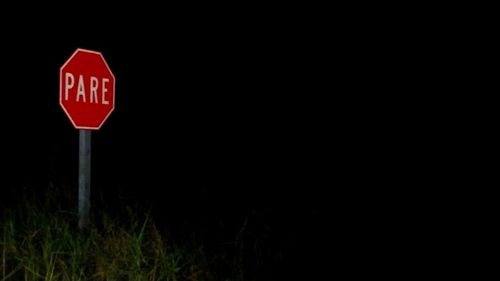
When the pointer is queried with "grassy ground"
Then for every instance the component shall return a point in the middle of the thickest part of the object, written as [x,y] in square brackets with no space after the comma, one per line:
[39,240]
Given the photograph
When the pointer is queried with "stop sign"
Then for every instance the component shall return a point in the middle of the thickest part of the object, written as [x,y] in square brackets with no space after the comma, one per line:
[86,89]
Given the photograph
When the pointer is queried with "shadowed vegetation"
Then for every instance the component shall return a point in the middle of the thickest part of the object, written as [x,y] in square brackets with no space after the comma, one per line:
[40,241]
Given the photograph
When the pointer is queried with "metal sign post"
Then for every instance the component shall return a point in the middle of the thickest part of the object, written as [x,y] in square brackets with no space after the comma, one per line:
[84,179]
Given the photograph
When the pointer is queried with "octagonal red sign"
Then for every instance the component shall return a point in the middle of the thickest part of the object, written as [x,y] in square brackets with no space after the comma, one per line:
[86,89]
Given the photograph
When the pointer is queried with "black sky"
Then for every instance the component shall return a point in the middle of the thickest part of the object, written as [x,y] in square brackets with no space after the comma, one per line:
[222,107]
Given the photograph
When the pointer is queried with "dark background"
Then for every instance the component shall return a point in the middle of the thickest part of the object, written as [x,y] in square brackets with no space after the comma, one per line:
[217,119]
[319,126]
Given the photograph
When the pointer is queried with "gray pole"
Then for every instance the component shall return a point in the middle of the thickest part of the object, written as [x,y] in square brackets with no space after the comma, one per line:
[84,180]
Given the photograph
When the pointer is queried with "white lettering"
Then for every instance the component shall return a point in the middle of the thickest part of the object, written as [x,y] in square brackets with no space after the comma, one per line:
[70,82]
[93,85]
[104,90]
[93,89]
[81,89]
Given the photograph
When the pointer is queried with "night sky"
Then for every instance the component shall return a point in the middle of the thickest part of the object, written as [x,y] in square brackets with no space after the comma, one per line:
[215,117]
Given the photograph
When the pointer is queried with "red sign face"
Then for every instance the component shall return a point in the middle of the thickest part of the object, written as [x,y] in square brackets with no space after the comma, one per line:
[86,89]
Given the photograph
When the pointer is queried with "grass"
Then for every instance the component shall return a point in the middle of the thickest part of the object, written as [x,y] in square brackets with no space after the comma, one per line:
[40,241]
